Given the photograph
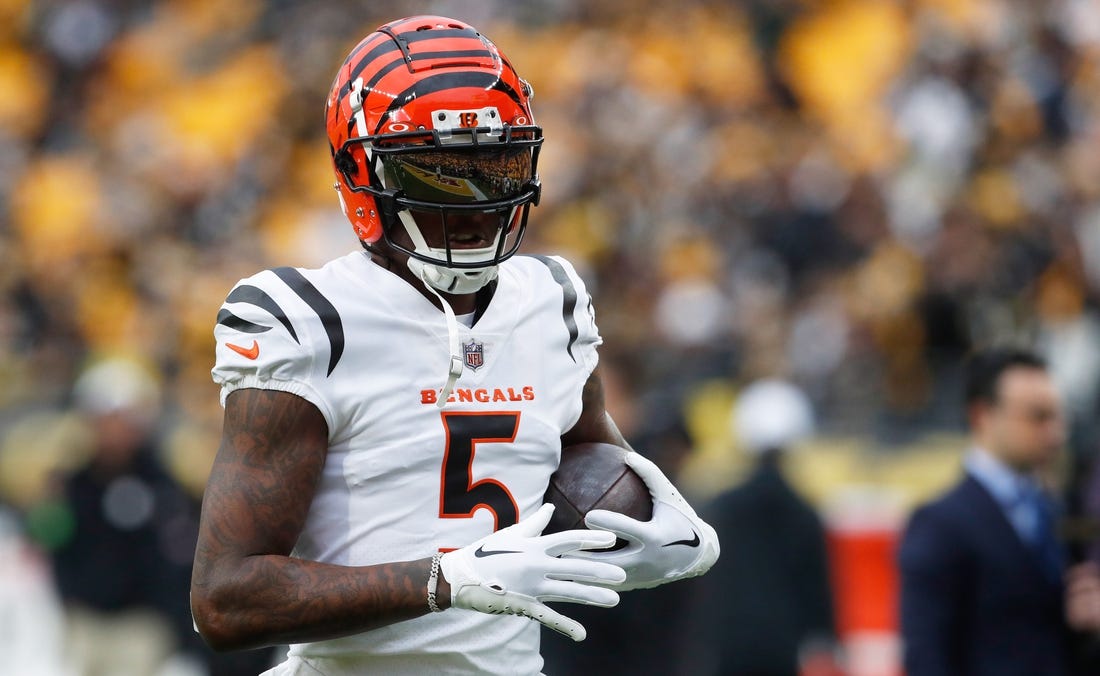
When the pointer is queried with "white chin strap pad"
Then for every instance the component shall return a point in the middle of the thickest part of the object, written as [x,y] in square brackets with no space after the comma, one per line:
[450,280]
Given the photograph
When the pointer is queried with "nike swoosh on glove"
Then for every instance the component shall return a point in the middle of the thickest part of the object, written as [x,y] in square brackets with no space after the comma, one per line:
[516,570]
[674,544]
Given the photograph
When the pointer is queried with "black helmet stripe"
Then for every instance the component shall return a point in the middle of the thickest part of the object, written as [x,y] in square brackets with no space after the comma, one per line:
[408,37]
[438,83]
[386,69]
[451,53]
[369,58]
[363,44]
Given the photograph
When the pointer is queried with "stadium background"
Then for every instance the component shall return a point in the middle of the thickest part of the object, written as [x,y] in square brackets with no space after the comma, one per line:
[846,193]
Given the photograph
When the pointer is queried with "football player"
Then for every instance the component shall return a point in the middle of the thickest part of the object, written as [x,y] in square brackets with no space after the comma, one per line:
[392,419]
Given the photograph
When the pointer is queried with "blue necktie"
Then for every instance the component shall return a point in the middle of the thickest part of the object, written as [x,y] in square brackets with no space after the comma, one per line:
[1044,538]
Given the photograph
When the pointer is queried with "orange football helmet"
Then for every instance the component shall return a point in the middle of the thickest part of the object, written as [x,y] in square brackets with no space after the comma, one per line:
[426,118]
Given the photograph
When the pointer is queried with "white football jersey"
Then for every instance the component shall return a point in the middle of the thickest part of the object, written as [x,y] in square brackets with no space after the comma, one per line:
[405,478]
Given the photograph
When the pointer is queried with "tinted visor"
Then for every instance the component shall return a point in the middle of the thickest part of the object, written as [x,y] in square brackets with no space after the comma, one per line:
[461,176]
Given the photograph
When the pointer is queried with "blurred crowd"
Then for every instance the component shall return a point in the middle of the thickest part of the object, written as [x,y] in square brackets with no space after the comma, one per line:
[849,194]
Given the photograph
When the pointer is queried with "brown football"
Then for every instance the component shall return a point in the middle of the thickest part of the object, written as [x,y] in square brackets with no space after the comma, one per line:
[595,476]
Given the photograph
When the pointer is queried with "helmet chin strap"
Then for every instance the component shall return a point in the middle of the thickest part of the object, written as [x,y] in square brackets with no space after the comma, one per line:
[437,278]
[455,367]
[450,280]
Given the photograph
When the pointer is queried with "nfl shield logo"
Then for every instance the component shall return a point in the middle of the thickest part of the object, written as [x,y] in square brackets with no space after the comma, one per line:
[474,354]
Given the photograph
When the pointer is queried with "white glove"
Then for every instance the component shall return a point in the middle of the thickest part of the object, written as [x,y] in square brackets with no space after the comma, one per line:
[515,570]
[672,545]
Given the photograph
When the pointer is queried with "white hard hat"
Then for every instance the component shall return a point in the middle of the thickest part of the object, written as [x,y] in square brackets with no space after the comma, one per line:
[116,384]
[771,414]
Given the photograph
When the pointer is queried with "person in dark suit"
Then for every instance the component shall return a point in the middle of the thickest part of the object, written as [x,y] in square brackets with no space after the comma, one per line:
[768,610]
[982,589]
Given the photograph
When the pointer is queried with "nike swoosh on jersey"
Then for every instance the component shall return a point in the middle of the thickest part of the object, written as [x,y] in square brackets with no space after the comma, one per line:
[246,352]
[481,552]
[693,542]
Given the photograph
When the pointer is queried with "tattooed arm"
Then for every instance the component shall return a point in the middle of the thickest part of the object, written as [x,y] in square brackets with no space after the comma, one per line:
[246,590]
[595,424]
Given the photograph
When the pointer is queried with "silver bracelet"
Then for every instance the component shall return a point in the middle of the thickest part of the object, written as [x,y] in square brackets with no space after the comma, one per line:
[433,582]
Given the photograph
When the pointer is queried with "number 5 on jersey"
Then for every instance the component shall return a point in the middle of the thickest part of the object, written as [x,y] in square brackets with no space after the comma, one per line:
[460,496]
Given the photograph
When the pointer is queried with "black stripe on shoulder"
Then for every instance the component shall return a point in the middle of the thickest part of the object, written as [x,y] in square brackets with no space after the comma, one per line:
[231,320]
[569,298]
[253,295]
[325,310]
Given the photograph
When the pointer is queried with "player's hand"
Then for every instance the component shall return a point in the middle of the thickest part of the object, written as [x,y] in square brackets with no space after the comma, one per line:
[515,570]
[672,545]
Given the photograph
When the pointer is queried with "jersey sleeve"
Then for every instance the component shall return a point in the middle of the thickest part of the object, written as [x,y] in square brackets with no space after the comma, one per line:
[262,344]
[579,313]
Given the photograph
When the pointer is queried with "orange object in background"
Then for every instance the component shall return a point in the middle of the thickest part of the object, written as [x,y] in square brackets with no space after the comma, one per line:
[863,530]
[865,580]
